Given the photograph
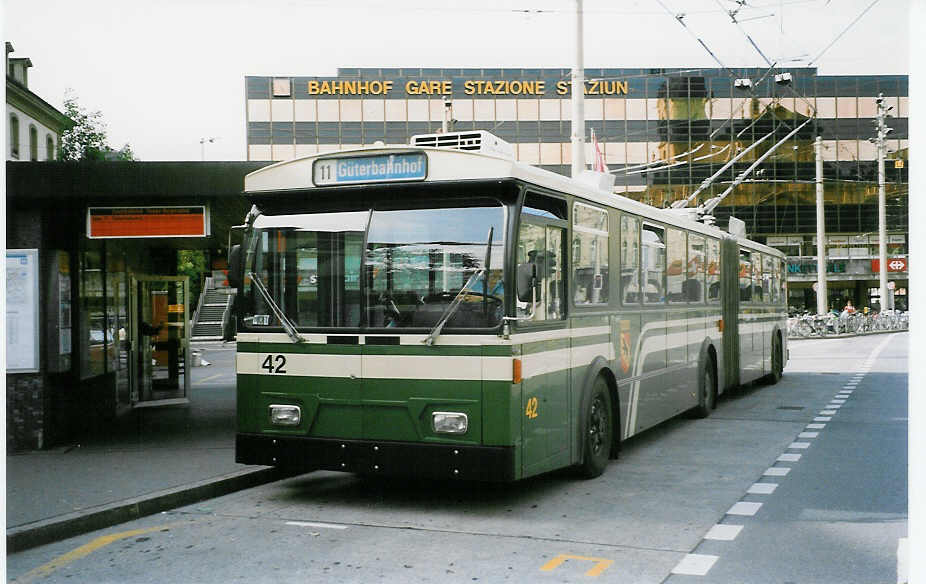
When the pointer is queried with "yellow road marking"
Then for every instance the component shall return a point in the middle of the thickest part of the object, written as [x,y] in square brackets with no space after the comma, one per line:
[82,551]
[601,564]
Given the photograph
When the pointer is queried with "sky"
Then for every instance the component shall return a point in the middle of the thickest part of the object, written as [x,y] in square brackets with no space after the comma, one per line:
[167,74]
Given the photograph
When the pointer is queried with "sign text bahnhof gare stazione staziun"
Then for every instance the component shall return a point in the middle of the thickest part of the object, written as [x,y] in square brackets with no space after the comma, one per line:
[693,119]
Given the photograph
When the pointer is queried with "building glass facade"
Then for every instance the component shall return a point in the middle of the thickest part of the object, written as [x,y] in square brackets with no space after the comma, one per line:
[662,132]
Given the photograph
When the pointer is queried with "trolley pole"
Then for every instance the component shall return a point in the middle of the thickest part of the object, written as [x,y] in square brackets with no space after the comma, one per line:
[578,99]
[821,230]
[882,212]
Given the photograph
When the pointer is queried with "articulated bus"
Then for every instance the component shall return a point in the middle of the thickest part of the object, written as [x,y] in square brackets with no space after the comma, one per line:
[446,311]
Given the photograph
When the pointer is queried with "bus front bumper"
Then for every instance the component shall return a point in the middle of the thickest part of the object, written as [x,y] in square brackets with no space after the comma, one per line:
[477,463]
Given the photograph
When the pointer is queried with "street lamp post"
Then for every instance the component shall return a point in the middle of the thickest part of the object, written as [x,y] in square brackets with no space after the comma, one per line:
[578,98]
[882,211]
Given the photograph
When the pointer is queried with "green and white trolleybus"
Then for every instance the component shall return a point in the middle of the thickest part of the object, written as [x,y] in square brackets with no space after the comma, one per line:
[442,310]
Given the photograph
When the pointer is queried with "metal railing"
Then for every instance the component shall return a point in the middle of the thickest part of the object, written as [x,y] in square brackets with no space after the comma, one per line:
[822,325]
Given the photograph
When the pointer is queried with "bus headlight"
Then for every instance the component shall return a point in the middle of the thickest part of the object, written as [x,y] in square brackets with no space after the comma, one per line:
[449,422]
[285,415]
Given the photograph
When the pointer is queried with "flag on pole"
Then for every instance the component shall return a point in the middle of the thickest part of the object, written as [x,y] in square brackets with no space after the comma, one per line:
[600,165]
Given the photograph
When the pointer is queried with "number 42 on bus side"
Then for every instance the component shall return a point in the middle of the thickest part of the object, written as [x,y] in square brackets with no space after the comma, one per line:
[274,364]
[531,410]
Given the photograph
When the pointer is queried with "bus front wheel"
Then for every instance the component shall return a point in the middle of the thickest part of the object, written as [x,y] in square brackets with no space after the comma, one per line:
[599,427]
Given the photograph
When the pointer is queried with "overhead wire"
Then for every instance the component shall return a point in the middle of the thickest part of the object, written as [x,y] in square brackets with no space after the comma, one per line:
[839,36]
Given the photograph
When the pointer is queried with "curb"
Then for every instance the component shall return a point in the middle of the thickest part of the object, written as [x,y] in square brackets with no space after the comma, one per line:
[61,527]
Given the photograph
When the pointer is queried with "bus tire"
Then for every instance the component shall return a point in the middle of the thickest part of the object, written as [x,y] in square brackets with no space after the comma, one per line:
[707,388]
[777,360]
[599,428]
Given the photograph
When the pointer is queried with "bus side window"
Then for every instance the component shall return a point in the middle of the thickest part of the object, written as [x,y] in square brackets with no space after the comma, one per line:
[590,254]
[675,270]
[713,271]
[745,276]
[630,259]
[782,282]
[769,288]
[540,251]
[694,271]
[757,277]
[654,265]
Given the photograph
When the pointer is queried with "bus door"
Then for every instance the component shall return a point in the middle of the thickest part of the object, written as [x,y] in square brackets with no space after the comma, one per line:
[159,333]
[545,389]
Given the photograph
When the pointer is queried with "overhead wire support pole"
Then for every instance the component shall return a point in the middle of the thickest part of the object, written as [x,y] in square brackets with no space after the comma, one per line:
[822,295]
[578,98]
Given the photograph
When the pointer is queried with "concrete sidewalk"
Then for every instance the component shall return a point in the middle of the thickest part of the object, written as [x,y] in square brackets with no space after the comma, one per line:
[152,460]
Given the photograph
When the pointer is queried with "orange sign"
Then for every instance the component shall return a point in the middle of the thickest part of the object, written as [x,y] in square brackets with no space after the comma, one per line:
[110,222]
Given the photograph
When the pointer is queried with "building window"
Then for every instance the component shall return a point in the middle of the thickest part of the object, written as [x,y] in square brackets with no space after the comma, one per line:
[281,87]
[33,143]
[49,147]
[14,136]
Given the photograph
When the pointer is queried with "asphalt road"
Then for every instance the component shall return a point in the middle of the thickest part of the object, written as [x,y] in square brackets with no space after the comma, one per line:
[832,510]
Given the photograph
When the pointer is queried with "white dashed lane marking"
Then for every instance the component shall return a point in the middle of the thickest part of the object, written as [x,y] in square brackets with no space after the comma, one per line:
[695,565]
[762,488]
[789,457]
[744,508]
[828,412]
[799,445]
[822,419]
[777,471]
[723,532]
[808,434]
[816,426]
[317,525]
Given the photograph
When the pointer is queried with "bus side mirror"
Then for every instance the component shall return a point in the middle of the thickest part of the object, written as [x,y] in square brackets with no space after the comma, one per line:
[234,266]
[527,281]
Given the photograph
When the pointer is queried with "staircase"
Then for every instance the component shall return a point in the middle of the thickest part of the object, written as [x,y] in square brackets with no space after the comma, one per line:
[207,324]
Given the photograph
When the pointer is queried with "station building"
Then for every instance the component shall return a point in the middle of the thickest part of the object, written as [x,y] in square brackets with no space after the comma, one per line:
[662,132]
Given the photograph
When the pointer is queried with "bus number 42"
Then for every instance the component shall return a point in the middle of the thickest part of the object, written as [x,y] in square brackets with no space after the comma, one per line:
[274,364]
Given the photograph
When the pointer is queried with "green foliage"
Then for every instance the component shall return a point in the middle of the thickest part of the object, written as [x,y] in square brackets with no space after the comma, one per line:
[192,263]
[86,140]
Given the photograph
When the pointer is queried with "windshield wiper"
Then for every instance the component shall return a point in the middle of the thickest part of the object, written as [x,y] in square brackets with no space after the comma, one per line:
[288,325]
[455,303]
[452,308]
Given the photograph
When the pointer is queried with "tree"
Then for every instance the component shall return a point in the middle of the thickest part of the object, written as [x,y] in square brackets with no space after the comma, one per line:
[86,140]
[192,263]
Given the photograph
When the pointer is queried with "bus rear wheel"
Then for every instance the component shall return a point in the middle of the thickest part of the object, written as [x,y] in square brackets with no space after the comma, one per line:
[777,361]
[599,427]
[707,389]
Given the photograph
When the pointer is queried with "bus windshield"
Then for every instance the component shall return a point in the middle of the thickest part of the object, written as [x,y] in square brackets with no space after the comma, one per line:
[374,268]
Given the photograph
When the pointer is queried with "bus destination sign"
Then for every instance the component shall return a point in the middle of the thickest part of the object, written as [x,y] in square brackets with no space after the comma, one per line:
[405,166]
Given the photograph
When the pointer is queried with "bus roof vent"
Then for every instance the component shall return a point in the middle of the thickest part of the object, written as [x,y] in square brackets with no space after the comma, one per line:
[474,141]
